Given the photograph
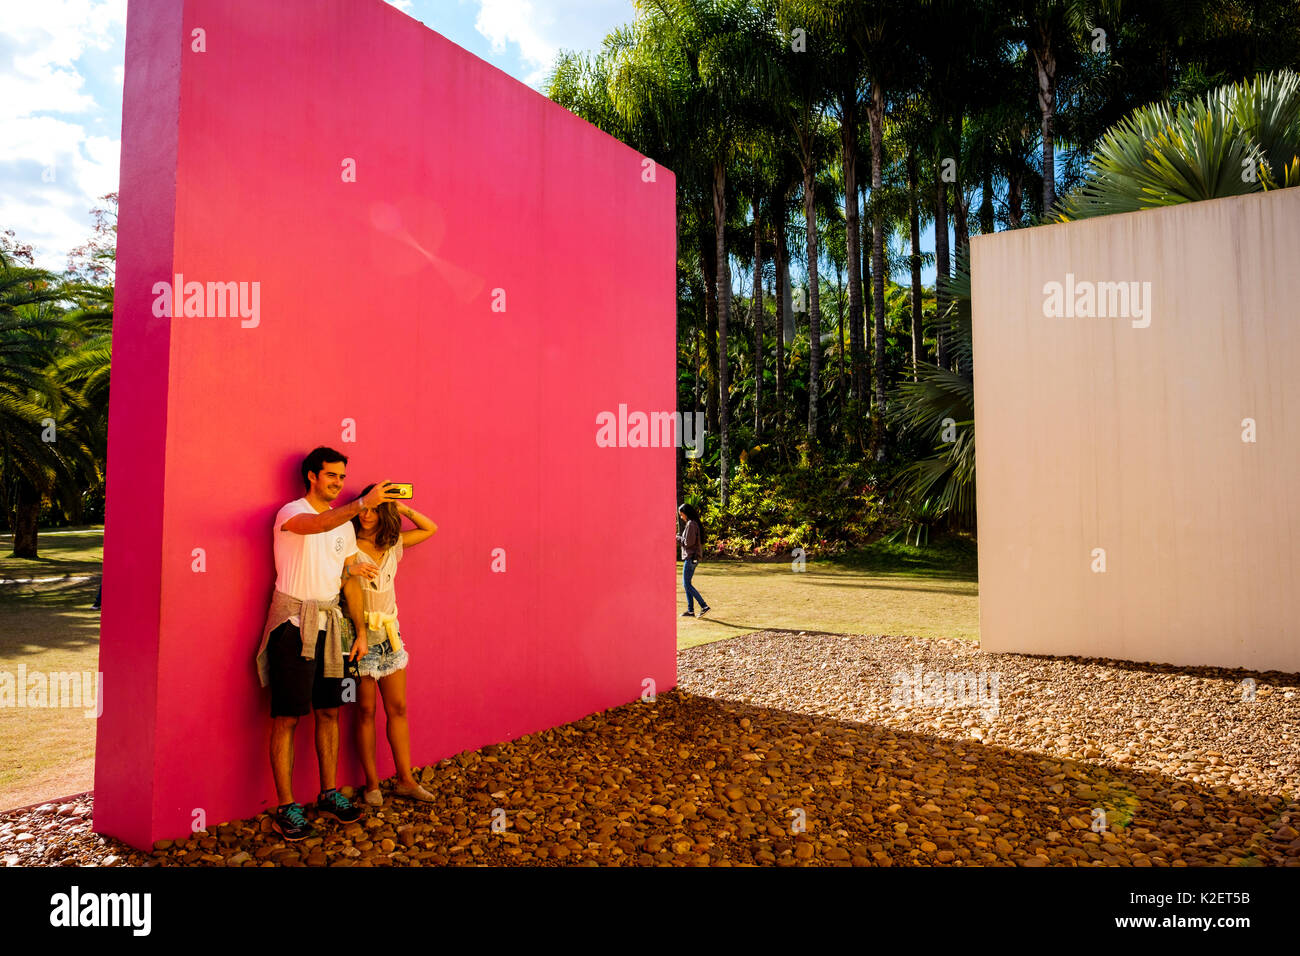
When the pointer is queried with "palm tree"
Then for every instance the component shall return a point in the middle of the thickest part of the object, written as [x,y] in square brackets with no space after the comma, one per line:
[846,59]
[1052,32]
[700,62]
[945,51]
[787,179]
[884,34]
[801,87]
[82,370]
[1238,139]
[39,454]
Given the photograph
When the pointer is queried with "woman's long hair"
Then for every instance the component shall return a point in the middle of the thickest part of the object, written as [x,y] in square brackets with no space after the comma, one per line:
[389,528]
[692,515]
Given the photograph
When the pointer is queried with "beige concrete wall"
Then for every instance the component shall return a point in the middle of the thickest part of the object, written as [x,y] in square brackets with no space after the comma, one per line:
[1096,433]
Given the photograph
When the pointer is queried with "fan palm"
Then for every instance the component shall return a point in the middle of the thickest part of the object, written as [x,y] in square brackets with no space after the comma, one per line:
[940,407]
[1235,140]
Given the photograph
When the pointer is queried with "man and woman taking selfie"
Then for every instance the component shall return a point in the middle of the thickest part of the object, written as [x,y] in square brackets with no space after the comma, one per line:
[323,553]
[327,560]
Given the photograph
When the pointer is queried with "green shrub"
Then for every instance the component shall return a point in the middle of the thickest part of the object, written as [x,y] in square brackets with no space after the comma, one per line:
[823,508]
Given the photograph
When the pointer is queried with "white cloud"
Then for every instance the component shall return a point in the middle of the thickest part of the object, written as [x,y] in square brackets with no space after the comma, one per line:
[541,28]
[52,169]
[403,5]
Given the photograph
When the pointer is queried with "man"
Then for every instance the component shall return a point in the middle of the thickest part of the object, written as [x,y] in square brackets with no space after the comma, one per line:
[301,655]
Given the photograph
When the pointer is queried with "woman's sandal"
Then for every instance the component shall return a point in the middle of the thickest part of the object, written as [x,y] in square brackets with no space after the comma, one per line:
[419,793]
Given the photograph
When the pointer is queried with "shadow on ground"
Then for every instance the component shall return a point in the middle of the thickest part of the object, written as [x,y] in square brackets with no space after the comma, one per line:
[697,781]
[55,615]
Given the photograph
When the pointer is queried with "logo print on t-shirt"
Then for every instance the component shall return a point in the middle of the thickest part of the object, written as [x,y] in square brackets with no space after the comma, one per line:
[338,545]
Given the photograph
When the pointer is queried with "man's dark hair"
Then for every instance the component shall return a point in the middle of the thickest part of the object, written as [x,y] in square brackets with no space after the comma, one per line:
[315,461]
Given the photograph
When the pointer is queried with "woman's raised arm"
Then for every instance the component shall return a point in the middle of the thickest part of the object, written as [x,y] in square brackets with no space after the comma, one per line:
[424,528]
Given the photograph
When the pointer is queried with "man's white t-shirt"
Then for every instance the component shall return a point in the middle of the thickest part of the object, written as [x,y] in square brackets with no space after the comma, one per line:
[310,566]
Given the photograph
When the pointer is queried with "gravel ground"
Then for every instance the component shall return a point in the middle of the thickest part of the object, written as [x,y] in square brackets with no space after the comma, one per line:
[799,749]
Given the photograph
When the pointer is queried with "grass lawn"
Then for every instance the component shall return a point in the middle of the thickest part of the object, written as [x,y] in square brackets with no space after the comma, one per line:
[50,626]
[881,589]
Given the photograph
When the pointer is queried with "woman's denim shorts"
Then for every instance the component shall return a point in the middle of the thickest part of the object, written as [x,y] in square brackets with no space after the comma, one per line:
[380,661]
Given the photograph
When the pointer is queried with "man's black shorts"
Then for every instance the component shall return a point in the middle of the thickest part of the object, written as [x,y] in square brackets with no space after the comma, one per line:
[297,684]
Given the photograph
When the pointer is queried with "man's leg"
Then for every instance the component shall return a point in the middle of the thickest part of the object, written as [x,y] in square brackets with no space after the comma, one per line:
[327,697]
[282,729]
[291,683]
[327,745]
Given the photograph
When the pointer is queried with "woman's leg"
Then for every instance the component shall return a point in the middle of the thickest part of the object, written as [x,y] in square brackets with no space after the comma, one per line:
[688,571]
[366,731]
[393,687]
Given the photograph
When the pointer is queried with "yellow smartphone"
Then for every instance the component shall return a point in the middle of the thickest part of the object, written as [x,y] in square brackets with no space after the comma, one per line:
[398,489]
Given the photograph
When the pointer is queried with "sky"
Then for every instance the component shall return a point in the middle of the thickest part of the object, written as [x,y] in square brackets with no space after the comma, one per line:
[61,69]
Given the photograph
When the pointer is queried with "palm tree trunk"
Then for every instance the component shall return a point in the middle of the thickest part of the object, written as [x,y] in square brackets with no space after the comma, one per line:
[868,316]
[1015,199]
[758,321]
[724,310]
[914,223]
[941,264]
[1045,66]
[814,299]
[695,364]
[960,204]
[849,153]
[876,113]
[709,258]
[839,322]
[960,222]
[782,296]
[986,198]
[27,513]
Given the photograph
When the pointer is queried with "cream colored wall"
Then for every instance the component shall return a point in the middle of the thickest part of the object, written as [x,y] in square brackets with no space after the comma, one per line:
[1093,433]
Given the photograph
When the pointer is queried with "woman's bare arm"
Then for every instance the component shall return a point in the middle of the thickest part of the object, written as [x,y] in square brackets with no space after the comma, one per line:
[424,528]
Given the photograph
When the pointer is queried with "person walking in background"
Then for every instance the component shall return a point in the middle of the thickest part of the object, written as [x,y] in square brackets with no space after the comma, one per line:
[692,541]
[381,543]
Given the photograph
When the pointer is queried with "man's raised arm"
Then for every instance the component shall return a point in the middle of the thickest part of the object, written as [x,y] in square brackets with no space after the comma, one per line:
[331,518]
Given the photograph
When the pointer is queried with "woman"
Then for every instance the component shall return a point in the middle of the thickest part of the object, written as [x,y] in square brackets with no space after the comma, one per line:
[692,542]
[381,543]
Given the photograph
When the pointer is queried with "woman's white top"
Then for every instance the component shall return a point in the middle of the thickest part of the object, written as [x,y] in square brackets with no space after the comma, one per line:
[380,608]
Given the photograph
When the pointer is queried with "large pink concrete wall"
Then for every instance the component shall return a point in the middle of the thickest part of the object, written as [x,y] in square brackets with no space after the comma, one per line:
[376,305]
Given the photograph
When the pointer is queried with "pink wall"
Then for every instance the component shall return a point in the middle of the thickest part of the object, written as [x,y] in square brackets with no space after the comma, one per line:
[231,171]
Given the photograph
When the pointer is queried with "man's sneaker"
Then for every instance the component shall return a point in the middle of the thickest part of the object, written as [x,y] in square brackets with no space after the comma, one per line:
[705,610]
[331,803]
[291,823]
[688,613]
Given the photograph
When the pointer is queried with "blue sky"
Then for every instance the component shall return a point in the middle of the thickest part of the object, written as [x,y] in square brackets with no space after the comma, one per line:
[61,92]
